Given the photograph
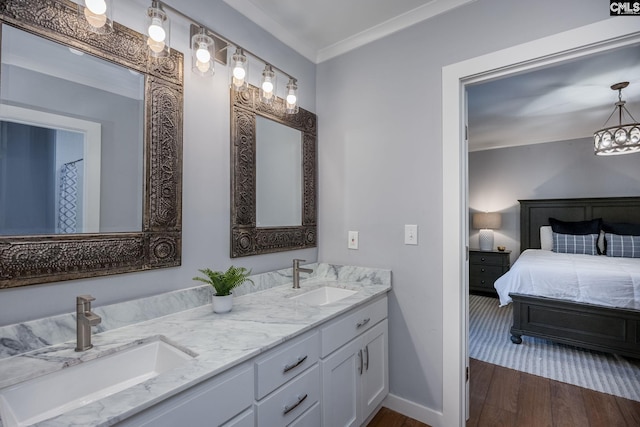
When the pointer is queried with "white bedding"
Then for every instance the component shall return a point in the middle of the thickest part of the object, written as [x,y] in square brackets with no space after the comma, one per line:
[595,279]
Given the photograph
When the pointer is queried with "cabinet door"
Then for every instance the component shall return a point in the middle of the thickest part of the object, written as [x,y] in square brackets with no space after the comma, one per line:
[375,378]
[340,386]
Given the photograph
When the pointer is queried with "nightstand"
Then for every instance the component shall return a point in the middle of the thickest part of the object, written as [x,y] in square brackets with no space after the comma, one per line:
[485,267]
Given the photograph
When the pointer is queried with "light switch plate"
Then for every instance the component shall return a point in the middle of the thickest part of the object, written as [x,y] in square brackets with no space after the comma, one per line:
[353,240]
[410,234]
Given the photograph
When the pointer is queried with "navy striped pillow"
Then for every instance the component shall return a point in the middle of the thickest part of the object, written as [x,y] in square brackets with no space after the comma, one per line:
[622,246]
[575,244]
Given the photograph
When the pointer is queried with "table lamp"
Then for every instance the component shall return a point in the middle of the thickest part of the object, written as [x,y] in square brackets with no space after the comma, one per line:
[486,222]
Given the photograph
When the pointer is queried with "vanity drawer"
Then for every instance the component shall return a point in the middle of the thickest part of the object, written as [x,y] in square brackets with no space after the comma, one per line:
[289,402]
[275,369]
[344,329]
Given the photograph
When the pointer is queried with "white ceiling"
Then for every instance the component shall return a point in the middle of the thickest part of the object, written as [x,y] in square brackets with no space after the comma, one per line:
[322,29]
[558,103]
[562,102]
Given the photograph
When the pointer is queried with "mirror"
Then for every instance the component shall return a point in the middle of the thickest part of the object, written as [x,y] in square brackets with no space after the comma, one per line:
[108,125]
[278,174]
[70,141]
[273,176]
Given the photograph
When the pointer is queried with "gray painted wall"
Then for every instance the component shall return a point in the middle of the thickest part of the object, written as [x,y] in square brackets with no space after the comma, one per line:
[205,219]
[499,178]
[381,162]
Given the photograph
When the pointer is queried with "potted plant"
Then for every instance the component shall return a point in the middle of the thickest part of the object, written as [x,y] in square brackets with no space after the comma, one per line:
[224,283]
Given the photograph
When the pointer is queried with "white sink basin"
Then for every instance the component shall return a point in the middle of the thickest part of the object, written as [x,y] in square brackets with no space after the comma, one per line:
[324,295]
[53,394]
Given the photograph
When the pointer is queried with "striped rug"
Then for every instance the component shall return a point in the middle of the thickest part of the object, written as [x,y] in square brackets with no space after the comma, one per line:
[489,341]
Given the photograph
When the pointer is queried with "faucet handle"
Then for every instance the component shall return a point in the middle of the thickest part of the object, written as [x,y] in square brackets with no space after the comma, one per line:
[82,299]
[297,261]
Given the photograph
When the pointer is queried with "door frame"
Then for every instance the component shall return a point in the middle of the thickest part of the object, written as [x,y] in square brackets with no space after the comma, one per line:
[589,39]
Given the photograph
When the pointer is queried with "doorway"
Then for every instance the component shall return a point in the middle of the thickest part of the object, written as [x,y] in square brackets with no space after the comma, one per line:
[587,40]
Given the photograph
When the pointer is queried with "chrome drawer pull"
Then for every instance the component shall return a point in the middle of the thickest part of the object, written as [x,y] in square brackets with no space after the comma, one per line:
[288,409]
[366,352]
[364,322]
[299,362]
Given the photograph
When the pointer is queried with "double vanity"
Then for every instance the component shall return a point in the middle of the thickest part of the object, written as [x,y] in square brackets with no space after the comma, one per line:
[303,357]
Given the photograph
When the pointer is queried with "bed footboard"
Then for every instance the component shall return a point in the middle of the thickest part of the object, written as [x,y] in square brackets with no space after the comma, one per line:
[595,327]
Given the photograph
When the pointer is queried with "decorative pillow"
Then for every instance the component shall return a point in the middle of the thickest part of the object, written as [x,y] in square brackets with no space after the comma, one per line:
[592,226]
[621,229]
[622,246]
[546,238]
[575,243]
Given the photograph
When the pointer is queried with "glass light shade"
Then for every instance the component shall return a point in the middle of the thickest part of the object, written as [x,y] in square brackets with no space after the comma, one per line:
[202,53]
[622,139]
[98,14]
[158,30]
[291,97]
[240,71]
[268,85]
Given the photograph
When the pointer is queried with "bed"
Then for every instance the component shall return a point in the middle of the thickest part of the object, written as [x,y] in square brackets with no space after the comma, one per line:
[606,325]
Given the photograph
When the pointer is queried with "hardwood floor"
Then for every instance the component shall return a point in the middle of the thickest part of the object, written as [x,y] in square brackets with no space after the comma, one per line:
[504,397]
[388,418]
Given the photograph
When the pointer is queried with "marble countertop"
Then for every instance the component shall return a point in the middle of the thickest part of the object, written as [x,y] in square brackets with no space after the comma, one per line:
[258,322]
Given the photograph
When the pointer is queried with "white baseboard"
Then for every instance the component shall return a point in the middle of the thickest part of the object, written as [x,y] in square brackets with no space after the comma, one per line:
[413,410]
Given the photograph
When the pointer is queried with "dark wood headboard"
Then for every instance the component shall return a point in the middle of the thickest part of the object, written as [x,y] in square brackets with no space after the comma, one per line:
[536,213]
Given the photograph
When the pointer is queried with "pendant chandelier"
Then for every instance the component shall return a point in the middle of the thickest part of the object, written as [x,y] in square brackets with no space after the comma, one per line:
[621,138]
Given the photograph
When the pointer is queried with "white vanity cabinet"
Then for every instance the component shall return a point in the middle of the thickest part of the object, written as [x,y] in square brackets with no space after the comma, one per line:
[288,383]
[224,400]
[333,375]
[354,365]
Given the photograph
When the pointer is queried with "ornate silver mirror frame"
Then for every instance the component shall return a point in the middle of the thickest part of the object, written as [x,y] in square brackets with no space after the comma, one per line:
[246,238]
[27,260]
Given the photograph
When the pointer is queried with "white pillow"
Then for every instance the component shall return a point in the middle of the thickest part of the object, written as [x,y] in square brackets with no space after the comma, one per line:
[546,238]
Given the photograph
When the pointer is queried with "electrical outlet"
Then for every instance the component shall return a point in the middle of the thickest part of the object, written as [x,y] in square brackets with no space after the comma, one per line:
[410,234]
[353,240]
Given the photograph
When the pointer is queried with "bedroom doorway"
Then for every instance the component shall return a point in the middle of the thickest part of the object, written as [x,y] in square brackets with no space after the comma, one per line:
[587,40]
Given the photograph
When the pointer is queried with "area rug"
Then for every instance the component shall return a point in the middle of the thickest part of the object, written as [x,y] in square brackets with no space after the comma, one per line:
[489,341]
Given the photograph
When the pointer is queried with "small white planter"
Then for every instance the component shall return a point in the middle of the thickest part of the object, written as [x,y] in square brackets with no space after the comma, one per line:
[222,304]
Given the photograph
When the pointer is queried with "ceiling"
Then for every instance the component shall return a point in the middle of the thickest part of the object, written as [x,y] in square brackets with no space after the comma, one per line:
[566,101]
[323,29]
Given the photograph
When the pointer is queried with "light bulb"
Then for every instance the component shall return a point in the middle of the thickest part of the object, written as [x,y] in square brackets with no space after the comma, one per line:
[203,67]
[155,46]
[99,7]
[267,86]
[239,72]
[155,31]
[202,54]
[94,19]
[291,99]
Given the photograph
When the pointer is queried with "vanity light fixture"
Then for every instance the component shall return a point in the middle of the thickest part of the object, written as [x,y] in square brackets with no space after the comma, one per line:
[621,138]
[98,14]
[268,85]
[291,97]
[202,53]
[208,46]
[158,30]
[240,72]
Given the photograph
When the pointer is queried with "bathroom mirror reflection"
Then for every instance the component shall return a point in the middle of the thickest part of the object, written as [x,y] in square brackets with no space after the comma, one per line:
[71,140]
[278,174]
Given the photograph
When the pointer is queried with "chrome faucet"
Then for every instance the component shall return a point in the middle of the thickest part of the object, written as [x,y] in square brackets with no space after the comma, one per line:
[296,272]
[85,319]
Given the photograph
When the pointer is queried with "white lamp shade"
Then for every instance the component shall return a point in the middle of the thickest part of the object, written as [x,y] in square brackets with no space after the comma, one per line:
[487,220]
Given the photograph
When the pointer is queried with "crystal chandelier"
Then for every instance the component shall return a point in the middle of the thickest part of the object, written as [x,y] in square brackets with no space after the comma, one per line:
[621,138]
